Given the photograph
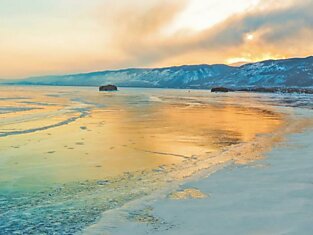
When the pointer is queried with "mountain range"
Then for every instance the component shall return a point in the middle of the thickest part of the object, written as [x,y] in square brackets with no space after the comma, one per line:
[293,72]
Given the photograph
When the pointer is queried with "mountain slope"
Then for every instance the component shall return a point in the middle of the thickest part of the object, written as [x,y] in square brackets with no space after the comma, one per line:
[295,72]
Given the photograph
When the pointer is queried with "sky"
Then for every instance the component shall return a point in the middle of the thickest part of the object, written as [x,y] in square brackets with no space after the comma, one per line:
[40,37]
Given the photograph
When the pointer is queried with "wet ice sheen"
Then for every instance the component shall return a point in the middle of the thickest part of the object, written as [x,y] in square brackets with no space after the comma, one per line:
[73,153]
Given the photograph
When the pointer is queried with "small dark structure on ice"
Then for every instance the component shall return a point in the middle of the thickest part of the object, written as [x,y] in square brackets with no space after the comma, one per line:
[108,88]
[220,89]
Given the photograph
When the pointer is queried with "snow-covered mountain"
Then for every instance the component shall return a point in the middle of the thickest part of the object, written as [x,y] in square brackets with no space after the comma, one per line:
[295,72]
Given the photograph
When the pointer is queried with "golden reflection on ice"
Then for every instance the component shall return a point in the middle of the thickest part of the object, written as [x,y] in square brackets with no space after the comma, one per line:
[123,135]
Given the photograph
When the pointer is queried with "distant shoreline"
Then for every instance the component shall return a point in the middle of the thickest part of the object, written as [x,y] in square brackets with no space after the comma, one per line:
[266,90]
[286,90]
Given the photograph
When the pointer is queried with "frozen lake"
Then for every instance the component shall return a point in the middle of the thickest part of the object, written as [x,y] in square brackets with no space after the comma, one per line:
[68,154]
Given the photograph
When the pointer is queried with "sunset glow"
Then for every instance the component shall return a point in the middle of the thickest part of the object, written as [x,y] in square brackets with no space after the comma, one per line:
[57,37]
[156,117]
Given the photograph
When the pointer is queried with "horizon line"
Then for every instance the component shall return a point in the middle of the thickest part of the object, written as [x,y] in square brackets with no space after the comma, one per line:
[150,68]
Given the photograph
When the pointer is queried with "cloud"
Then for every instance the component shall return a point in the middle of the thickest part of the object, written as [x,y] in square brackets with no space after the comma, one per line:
[135,33]
[136,29]
[275,26]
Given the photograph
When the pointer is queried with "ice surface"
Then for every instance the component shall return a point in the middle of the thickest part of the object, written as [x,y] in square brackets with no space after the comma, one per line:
[69,153]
